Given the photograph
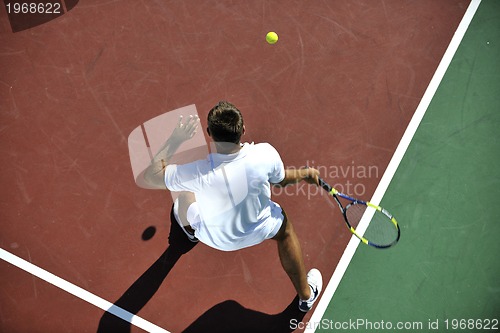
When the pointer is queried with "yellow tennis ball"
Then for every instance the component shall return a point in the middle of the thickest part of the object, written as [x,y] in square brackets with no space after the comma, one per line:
[272,37]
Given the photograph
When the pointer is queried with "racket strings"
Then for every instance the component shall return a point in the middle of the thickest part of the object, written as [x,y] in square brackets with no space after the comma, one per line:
[354,213]
[380,230]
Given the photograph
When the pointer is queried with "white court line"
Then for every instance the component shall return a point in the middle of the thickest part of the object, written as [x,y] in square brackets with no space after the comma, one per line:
[80,293]
[394,163]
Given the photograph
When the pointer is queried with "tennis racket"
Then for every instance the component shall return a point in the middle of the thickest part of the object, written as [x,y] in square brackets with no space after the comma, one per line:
[383,230]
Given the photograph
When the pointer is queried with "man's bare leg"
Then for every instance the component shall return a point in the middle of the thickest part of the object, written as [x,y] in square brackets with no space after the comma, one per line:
[291,259]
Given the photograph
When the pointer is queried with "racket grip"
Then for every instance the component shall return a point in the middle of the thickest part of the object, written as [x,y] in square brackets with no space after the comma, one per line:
[324,185]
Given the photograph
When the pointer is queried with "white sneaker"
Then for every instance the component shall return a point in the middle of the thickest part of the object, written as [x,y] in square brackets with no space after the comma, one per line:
[315,281]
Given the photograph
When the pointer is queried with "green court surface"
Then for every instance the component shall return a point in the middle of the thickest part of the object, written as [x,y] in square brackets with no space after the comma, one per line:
[444,273]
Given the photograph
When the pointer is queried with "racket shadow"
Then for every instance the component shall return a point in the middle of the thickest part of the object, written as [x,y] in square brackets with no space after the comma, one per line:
[230,316]
[142,290]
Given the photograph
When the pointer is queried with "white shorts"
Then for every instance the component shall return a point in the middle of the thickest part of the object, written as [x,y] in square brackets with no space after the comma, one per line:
[273,222]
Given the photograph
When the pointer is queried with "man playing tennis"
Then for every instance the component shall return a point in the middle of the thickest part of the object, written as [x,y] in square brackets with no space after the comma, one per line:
[225,200]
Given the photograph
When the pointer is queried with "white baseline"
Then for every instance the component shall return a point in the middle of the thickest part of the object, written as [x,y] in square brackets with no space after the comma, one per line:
[80,293]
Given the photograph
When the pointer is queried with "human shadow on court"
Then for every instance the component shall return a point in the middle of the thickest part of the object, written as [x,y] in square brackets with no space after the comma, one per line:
[230,316]
[142,290]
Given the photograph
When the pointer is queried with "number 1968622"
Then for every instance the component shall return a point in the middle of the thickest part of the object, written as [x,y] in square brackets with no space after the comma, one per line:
[33,8]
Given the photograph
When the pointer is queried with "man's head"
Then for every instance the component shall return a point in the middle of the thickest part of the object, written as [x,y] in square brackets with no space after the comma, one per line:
[225,123]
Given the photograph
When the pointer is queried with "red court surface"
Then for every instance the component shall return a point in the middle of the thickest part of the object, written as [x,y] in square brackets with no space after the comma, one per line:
[335,92]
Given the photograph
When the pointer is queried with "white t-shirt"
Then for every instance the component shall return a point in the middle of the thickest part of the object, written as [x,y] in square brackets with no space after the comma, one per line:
[233,193]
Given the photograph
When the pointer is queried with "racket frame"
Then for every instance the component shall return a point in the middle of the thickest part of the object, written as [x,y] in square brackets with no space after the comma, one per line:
[353,201]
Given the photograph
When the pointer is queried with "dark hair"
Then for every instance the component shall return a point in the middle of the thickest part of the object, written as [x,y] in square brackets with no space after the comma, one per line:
[225,123]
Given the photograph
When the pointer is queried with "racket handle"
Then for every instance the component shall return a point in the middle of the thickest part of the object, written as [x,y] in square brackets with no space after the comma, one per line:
[324,185]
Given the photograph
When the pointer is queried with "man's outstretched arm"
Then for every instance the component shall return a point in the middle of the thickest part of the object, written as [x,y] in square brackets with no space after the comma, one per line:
[154,174]
[294,176]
